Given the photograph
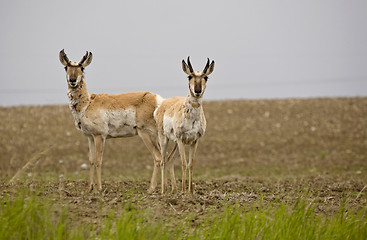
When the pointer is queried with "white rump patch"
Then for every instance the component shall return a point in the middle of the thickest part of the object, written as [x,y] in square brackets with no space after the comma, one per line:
[159,100]
[168,127]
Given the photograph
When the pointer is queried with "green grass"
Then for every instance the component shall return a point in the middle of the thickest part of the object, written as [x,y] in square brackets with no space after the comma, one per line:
[284,222]
[32,218]
[28,216]
[132,225]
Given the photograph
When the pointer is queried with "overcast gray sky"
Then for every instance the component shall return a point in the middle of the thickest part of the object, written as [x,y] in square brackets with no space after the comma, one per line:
[262,49]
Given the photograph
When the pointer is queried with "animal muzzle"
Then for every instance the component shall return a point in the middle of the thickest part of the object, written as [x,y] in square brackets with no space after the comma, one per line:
[72,82]
[197,90]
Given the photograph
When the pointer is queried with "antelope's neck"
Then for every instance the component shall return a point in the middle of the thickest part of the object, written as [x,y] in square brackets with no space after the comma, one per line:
[193,108]
[193,102]
[78,97]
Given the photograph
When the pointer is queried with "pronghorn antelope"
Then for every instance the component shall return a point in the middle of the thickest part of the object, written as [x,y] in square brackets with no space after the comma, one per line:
[102,116]
[182,120]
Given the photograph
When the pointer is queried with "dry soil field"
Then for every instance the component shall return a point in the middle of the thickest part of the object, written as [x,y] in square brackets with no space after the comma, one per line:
[254,152]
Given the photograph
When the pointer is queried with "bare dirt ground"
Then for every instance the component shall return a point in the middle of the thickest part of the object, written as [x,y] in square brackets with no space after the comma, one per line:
[210,197]
[254,152]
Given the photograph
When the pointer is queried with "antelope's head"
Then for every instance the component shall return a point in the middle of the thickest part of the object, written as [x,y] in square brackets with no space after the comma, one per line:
[197,80]
[75,70]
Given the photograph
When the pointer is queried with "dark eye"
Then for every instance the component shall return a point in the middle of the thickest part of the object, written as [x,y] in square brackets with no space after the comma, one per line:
[189,77]
[66,68]
[206,78]
[82,69]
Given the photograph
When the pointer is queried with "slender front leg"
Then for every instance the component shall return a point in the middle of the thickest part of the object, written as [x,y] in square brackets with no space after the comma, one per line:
[99,144]
[92,159]
[154,150]
[192,153]
[163,141]
[181,148]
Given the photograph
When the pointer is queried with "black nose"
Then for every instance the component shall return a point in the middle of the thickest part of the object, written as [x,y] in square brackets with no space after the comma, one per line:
[197,90]
[73,81]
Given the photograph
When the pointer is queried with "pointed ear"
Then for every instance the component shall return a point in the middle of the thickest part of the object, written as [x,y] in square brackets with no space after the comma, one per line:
[86,60]
[63,58]
[208,68]
[185,68]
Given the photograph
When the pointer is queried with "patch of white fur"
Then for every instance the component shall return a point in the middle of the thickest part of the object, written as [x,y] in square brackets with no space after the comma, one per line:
[169,127]
[189,127]
[194,126]
[119,123]
[78,116]
[108,123]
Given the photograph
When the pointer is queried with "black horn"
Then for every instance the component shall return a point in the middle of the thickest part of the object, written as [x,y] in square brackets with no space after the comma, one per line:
[206,66]
[189,64]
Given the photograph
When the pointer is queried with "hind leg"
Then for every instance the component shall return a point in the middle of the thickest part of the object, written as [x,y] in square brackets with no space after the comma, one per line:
[154,150]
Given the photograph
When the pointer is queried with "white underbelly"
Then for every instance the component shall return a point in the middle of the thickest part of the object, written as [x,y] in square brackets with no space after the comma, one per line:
[121,123]
[109,123]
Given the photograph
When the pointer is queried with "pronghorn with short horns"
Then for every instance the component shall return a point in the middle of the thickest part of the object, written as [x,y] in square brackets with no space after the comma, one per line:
[102,116]
[182,120]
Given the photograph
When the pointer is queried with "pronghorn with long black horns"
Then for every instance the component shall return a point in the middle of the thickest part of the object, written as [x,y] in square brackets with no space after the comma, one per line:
[182,120]
[102,116]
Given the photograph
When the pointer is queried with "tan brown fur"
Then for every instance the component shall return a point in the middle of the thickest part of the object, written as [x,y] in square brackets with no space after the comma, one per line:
[169,106]
[182,120]
[144,102]
[102,116]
